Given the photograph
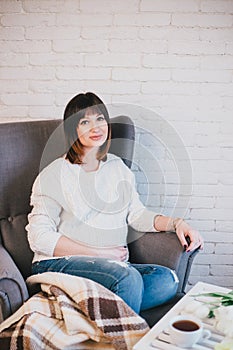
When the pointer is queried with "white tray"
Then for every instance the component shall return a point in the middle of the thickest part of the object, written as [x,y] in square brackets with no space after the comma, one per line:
[158,337]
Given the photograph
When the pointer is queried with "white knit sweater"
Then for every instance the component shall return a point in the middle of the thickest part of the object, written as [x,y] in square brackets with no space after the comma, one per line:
[93,208]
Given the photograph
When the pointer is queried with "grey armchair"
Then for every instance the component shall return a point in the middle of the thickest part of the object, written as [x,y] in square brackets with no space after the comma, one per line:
[22,145]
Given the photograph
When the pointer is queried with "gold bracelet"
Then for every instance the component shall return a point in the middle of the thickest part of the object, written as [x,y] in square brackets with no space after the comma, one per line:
[175,223]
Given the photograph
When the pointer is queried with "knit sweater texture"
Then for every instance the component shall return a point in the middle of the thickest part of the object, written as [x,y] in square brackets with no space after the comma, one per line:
[92,208]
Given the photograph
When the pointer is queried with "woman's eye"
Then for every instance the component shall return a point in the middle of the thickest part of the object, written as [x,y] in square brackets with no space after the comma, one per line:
[100,118]
[83,122]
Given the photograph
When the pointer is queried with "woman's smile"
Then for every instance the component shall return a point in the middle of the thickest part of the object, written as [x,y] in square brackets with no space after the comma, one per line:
[92,130]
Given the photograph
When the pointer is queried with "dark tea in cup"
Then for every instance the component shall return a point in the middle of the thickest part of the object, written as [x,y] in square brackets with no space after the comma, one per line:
[187,330]
[186,325]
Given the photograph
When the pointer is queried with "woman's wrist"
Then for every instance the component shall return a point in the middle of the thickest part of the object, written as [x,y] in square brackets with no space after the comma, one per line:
[166,223]
[176,222]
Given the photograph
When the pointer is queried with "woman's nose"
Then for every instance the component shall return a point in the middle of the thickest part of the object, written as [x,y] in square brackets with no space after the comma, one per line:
[94,126]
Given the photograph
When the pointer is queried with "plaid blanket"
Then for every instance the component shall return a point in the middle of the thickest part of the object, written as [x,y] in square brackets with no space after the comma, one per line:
[71,313]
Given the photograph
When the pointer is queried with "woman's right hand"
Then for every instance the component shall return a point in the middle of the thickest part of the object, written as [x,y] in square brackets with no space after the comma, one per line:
[114,253]
[66,246]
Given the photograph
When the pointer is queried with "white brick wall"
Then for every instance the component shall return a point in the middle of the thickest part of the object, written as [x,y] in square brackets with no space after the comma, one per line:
[171,57]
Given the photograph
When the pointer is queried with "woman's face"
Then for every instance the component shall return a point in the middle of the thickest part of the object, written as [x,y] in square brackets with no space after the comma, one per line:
[92,130]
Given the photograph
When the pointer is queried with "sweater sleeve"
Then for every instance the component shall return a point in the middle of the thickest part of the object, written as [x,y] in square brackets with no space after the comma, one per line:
[139,217]
[45,215]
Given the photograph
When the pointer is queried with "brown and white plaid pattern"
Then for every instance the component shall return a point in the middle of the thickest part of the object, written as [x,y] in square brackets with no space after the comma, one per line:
[71,313]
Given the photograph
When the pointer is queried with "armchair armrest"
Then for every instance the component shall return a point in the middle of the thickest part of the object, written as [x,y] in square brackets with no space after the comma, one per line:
[162,248]
[13,290]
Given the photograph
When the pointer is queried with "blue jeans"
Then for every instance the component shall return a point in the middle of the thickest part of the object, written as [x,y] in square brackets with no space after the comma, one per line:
[141,286]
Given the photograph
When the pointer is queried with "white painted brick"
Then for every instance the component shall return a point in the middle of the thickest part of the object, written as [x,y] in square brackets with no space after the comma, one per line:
[226,129]
[170,33]
[204,153]
[225,89]
[84,20]
[7,113]
[106,6]
[11,6]
[56,6]
[25,46]
[170,6]
[209,248]
[170,201]
[111,87]
[225,226]
[202,20]
[170,61]
[203,225]
[34,73]
[199,270]
[217,34]
[28,20]
[203,177]
[12,33]
[229,48]
[214,214]
[215,259]
[223,6]
[217,62]
[224,281]
[170,87]
[51,33]
[216,115]
[227,103]
[112,60]
[25,99]
[202,202]
[13,60]
[204,190]
[56,59]
[81,45]
[14,86]
[226,270]
[137,45]
[225,190]
[139,74]
[223,248]
[87,73]
[109,33]
[45,112]
[226,153]
[202,75]
[196,47]
[219,236]
[226,179]
[143,19]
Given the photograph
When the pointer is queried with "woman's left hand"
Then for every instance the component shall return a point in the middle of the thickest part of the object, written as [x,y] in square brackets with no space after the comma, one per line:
[183,230]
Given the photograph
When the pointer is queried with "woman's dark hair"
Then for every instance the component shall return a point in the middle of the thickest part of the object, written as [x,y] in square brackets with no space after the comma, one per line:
[75,110]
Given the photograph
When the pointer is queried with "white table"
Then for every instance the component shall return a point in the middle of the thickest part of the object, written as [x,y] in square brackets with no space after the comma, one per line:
[158,337]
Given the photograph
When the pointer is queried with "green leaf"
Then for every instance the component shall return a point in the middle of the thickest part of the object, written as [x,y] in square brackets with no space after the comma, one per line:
[211,314]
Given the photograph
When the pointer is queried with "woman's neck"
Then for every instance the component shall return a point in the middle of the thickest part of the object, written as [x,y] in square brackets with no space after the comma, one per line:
[90,162]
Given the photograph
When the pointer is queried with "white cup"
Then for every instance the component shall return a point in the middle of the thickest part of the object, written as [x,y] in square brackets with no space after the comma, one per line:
[186,330]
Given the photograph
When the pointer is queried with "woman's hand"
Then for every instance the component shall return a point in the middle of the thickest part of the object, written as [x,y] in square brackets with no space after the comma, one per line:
[114,253]
[183,230]
[66,246]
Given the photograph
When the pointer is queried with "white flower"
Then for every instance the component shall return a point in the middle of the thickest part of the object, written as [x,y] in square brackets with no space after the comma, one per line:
[197,309]
[224,345]
[224,320]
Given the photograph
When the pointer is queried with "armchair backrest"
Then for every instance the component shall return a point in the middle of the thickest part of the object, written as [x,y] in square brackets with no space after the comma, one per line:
[22,146]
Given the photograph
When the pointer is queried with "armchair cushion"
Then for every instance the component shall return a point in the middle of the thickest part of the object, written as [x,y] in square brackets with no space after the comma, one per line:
[13,290]
[162,248]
